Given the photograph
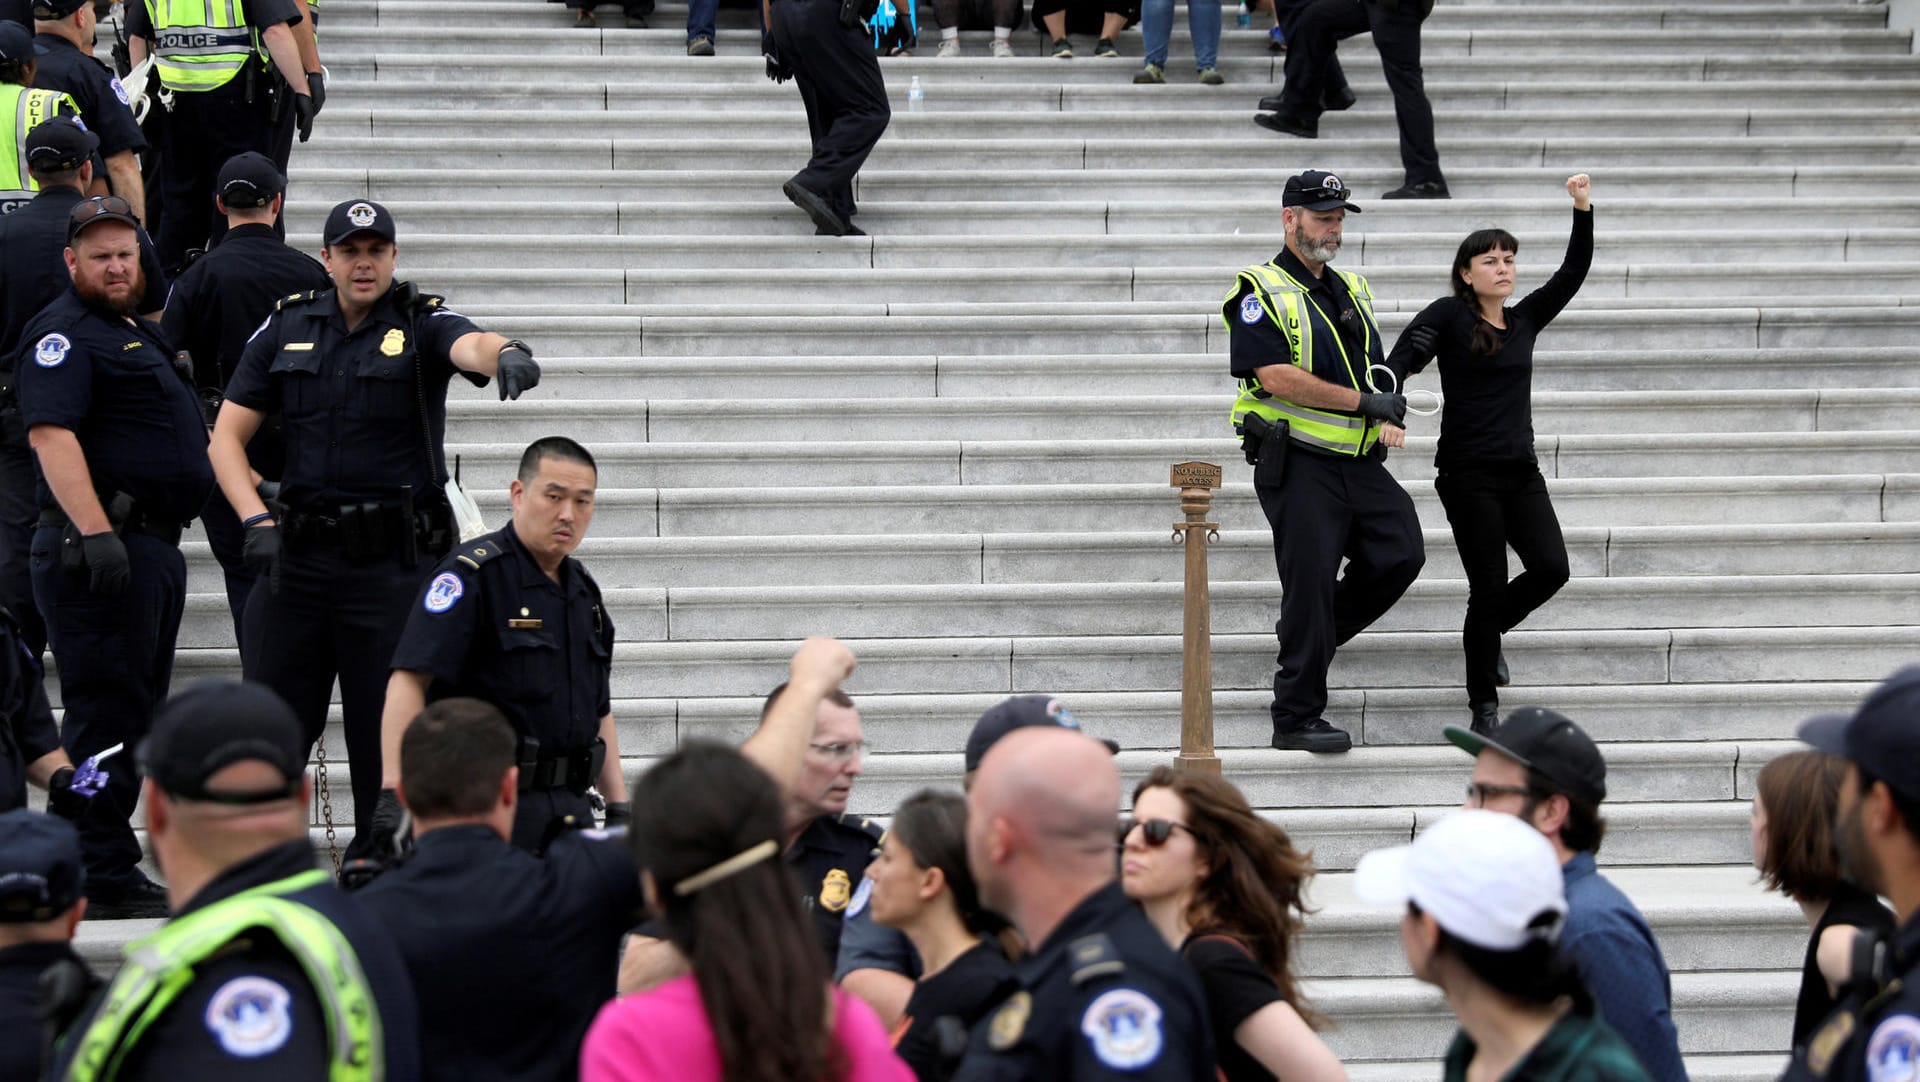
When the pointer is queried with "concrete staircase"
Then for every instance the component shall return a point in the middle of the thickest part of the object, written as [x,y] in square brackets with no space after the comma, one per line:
[948,441]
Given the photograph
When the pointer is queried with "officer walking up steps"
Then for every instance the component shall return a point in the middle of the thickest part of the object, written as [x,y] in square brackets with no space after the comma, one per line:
[1303,336]
[266,970]
[63,43]
[512,619]
[22,108]
[122,464]
[823,46]
[215,306]
[358,375]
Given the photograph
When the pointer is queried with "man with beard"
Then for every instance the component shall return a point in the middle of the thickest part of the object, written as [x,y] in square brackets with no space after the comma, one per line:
[1874,1036]
[1304,343]
[358,374]
[122,461]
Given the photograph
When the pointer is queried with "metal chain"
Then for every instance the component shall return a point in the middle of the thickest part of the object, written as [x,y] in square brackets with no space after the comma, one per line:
[326,801]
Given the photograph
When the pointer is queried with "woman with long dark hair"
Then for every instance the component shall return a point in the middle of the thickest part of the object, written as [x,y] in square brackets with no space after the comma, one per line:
[922,886]
[756,1006]
[1228,890]
[1483,900]
[1489,479]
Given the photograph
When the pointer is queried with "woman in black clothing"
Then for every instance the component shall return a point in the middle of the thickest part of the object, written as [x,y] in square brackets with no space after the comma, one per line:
[921,886]
[1795,800]
[1489,480]
[1227,889]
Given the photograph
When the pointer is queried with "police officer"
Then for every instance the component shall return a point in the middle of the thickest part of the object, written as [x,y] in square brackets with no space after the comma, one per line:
[1102,995]
[514,620]
[42,896]
[229,988]
[358,374]
[823,46]
[508,987]
[1874,1035]
[1303,341]
[221,62]
[215,305]
[30,748]
[122,463]
[22,108]
[63,43]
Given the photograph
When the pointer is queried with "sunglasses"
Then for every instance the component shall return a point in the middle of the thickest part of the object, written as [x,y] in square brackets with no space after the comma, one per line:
[1154,831]
[88,209]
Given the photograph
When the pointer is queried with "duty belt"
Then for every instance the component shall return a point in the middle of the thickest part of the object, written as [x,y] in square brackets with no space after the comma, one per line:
[369,531]
[573,771]
[137,521]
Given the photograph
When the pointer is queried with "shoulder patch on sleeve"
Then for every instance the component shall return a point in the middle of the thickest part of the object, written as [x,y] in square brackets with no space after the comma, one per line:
[119,91]
[1093,957]
[1893,1052]
[1124,1028]
[251,1016]
[443,593]
[860,895]
[1250,310]
[51,351]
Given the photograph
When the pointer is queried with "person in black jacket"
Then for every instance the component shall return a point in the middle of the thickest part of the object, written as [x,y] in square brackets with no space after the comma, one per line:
[1489,480]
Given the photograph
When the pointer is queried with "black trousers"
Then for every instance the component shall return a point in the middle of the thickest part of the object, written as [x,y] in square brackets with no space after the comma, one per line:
[1323,509]
[19,510]
[116,661]
[1395,25]
[204,129]
[334,617]
[227,539]
[537,809]
[1489,510]
[846,99]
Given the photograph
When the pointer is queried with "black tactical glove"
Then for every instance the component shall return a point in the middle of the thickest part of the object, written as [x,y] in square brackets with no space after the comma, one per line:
[317,90]
[619,813]
[518,372]
[304,111]
[1388,409]
[106,559]
[260,553]
[61,799]
[777,69]
[390,828]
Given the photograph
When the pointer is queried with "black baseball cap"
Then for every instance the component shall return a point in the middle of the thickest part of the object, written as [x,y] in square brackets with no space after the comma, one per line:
[1548,742]
[41,875]
[59,144]
[358,216]
[16,42]
[216,723]
[249,180]
[1882,736]
[48,10]
[1019,712]
[1317,189]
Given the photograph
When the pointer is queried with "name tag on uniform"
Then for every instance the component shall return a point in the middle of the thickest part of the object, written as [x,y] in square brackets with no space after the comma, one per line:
[526,625]
[297,347]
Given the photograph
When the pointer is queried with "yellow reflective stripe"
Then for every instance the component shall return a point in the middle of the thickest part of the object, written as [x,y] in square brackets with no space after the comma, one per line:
[206,64]
[25,112]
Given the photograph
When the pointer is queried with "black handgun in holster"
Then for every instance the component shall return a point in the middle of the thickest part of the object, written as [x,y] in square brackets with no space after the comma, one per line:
[119,508]
[1265,443]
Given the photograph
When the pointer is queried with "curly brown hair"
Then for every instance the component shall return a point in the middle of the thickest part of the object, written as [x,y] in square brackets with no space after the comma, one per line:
[1255,886]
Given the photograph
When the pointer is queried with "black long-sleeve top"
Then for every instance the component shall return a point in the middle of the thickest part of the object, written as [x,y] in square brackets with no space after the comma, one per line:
[1489,414]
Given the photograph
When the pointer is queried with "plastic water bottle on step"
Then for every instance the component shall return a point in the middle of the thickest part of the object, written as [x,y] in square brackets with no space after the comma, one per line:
[916,96]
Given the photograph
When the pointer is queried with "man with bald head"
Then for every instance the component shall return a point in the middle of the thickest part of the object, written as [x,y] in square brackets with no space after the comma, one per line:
[1102,995]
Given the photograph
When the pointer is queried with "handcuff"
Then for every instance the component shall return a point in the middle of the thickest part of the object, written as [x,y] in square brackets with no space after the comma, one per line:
[1393,387]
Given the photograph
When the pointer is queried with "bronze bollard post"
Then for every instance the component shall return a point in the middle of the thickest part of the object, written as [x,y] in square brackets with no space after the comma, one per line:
[1196,482]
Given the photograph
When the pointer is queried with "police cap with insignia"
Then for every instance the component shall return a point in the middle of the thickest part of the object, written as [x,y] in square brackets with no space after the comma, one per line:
[214,724]
[358,216]
[41,875]
[1882,736]
[59,145]
[1019,712]
[48,10]
[16,43]
[249,180]
[1317,189]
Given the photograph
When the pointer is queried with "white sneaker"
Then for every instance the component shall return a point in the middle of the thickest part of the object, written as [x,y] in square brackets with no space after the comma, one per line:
[1002,48]
[949,47]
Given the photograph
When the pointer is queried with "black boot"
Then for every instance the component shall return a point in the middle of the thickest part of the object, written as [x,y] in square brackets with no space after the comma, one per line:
[1501,677]
[1314,735]
[1485,717]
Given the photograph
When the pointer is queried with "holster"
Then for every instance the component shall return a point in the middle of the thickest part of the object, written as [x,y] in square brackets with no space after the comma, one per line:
[573,771]
[1265,444]
[119,509]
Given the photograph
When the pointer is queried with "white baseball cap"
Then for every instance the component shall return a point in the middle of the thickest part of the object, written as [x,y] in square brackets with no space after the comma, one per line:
[1485,877]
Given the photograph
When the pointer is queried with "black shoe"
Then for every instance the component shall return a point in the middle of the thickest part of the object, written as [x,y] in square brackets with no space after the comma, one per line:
[1501,677]
[1485,717]
[1426,189]
[1272,103]
[1335,101]
[1315,735]
[1288,124]
[825,218]
[138,898]
[852,231]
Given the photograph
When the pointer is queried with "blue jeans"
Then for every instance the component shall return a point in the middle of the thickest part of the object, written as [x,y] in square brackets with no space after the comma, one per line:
[700,19]
[1156,26]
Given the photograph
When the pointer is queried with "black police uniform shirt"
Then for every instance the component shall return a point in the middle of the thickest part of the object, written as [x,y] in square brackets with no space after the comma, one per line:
[17,11]
[1102,997]
[21,1037]
[350,400]
[216,304]
[33,268]
[1254,341]
[251,1011]
[1883,1043]
[491,625]
[511,954]
[111,381]
[27,729]
[831,858]
[103,101]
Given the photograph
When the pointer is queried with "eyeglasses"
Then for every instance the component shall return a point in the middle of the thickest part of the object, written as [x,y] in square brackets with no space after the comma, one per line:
[1155,831]
[843,751]
[1479,793]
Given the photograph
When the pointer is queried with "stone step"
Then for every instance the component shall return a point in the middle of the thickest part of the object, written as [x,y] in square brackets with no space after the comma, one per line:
[1701,1067]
